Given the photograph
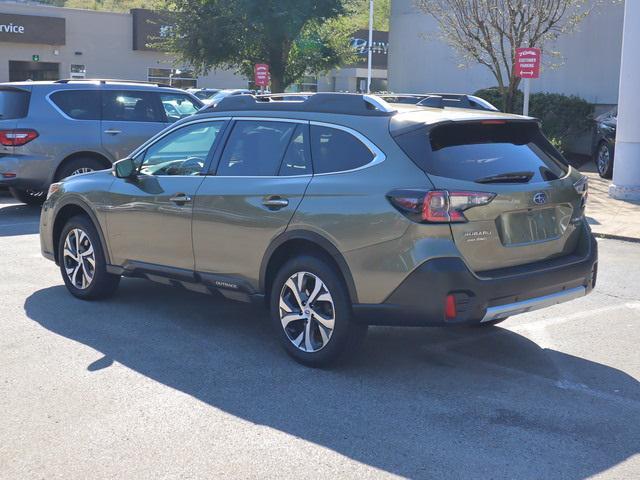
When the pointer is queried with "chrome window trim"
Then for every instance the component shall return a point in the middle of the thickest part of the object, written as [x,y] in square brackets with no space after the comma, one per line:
[273,119]
[378,155]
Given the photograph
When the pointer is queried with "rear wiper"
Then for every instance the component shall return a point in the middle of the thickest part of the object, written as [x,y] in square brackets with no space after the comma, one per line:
[513,177]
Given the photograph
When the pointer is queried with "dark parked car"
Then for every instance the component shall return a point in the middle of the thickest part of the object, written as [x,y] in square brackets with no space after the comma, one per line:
[455,100]
[604,142]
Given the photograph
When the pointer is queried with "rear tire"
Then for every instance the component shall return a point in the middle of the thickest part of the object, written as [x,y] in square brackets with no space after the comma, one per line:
[604,160]
[82,261]
[30,197]
[77,166]
[311,312]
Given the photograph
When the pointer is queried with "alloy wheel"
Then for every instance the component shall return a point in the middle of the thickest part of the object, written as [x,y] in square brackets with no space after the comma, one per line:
[79,259]
[307,312]
[603,159]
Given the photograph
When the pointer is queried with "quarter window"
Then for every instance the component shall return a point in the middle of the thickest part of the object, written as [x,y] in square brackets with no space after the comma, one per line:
[131,106]
[296,159]
[182,152]
[255,148]
[78,104]
[335,150]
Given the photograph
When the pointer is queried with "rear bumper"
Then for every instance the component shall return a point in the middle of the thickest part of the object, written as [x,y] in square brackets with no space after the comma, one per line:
[26,172]
[420,299]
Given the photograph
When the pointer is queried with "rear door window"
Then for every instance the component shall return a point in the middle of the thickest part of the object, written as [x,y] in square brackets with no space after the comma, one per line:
[78,104]
[131,106]
[255,148]
[13,104]
[336,150]
[485,152]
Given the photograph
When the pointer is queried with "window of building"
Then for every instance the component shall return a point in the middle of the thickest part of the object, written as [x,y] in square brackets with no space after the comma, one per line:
[377,85]
[307,83]
[255,148]
[78,104]
[78,71]
[172,76]
[334,150]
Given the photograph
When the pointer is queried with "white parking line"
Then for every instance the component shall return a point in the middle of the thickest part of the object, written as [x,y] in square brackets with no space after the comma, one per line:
[548,322]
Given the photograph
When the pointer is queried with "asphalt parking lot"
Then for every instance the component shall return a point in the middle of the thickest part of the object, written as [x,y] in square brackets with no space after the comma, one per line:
[165,383]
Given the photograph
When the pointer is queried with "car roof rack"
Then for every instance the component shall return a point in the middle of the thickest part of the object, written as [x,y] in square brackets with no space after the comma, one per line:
[109,80]
[325,102]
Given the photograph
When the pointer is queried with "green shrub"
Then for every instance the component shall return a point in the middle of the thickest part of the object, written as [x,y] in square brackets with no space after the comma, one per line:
[562,116]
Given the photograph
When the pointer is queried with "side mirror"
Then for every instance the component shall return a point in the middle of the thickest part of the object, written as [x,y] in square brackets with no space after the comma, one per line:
[124,168]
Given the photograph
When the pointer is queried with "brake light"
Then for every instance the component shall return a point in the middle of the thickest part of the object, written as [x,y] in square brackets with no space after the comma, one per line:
[493,122]
[437,206]
[17,137]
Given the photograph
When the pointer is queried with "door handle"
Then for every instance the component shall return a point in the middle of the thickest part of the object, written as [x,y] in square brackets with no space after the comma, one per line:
[180,198]
[275,202]
[112,131]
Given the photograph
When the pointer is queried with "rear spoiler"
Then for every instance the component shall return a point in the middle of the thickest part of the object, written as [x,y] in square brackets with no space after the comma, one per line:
[399,126]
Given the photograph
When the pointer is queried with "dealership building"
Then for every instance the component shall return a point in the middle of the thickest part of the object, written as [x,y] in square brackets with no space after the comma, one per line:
[48,43]
[39,42]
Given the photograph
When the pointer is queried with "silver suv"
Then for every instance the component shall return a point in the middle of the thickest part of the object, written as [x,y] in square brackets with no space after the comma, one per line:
[51,130]
[338,212]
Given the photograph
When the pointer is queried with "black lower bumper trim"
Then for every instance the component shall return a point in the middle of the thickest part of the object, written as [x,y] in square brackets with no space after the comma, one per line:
[420,298]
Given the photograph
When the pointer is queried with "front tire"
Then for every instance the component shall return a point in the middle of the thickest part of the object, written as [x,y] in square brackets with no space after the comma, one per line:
[82,261]
[30,197]
[311,311]
[604,160]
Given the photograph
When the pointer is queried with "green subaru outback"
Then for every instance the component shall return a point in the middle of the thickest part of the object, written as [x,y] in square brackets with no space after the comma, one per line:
[337,211]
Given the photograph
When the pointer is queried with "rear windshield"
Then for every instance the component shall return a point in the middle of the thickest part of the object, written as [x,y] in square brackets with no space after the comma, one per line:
[496,153]
[13,104]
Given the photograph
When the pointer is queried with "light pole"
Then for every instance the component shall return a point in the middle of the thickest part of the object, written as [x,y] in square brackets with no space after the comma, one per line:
[370,45]
[626,168]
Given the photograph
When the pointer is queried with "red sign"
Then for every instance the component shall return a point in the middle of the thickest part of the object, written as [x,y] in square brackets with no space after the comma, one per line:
[527,62]
[261,74]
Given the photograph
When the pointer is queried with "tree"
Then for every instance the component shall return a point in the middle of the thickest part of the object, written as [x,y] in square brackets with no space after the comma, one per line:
[489,31]
[294,37]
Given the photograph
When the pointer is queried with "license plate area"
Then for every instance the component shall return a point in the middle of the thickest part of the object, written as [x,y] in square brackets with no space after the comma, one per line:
[533,225]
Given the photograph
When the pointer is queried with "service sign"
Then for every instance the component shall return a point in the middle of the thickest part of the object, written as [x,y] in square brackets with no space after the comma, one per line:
[261,74]
[527,62]
[32,29]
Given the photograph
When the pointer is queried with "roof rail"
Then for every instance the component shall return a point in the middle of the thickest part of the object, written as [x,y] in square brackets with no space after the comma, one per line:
[434,101]
[109,80]
[340,103]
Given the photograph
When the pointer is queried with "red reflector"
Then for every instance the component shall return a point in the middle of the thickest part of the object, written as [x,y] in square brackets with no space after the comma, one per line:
[450,307]
[17,137]
[8,175]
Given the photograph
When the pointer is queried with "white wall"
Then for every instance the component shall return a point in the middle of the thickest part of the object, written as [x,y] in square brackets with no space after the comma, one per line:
[419,61]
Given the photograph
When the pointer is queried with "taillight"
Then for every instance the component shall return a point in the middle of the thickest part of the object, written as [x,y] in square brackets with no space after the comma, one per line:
[437,206]
[17,137]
